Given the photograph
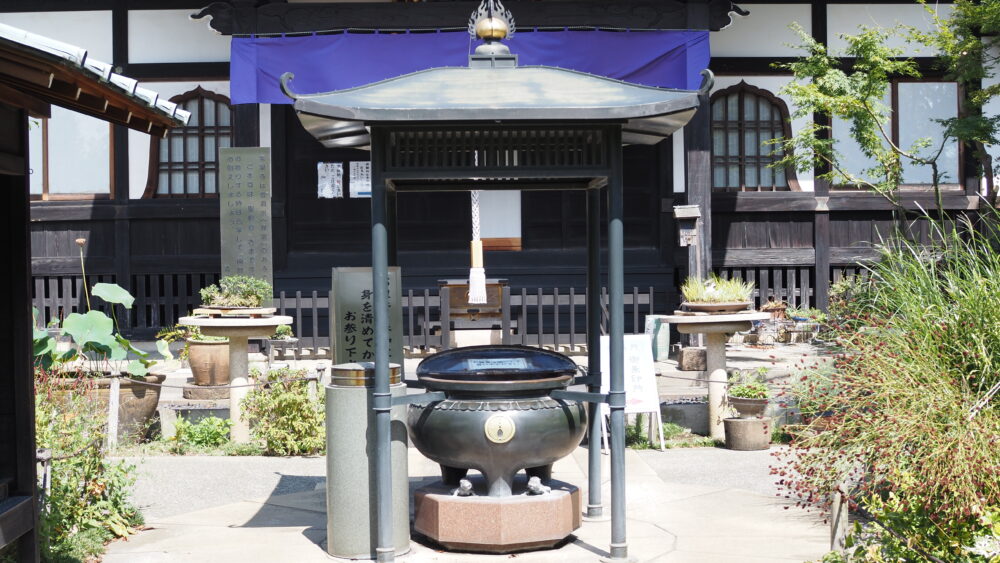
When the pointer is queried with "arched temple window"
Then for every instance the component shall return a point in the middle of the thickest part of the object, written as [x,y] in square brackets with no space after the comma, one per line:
[744,120]
[186,162]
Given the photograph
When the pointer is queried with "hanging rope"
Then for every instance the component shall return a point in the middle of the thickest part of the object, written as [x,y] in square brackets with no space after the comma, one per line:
[477,275]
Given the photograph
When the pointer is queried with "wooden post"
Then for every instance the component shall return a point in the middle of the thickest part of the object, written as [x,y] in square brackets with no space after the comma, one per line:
[114,397]
[821,244]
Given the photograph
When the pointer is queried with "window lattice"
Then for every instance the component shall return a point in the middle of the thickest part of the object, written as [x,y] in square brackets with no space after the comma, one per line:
[745,121]
[187,160]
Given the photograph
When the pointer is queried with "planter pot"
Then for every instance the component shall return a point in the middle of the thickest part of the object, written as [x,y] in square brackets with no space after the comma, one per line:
[748,408]
[777,313]
[731,307]
[748,434]
[209,362]
[136,402]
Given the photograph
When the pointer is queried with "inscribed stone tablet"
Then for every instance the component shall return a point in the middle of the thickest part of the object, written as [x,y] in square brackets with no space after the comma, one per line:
[245,211]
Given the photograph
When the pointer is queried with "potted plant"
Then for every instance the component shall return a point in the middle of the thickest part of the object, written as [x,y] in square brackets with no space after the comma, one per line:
[716,294]
[748,393]
[776,308]
[235,292]
[207,356]
[99,352]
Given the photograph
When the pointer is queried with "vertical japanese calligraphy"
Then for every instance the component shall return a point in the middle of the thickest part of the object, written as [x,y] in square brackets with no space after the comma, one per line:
[245,211]
[352,316]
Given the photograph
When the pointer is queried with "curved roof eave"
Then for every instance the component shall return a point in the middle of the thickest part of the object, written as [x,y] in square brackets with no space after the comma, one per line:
[517,94]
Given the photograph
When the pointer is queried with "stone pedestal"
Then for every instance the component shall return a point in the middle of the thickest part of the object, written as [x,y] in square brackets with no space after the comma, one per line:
[497,524]
[746,434]
[691,359]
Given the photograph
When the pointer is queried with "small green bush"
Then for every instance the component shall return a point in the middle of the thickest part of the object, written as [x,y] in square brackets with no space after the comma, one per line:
[210,432]
[283,416]
[238,291]
[748,384]
[88,503]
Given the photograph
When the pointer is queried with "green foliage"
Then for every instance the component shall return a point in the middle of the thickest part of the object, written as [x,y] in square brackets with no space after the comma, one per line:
[857,96]
[716,290]
[808,313]
[88,503]
[748,384]
[913,425]
[238,291]
[247,449]
[283,416]
[283,332]
[97,343]
[209,432]
[674,435]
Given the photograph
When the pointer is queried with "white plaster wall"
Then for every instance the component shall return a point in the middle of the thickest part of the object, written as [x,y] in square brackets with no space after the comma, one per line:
[845,18]
[138,143]
[680,163]
[500,214]
[89,29]
[764,33]
[166,36]
[772,84]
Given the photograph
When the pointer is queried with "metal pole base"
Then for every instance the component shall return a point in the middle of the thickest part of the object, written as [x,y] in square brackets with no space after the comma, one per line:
[619,554]
[385,554]
[595,513]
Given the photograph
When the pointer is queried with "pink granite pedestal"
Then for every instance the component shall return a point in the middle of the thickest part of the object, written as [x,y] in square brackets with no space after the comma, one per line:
[497,524]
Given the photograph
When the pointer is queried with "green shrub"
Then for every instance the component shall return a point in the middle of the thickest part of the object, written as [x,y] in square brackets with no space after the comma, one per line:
[909,425]
[747,384]
[238,291]
[210,432]
[283,416]
[88,502]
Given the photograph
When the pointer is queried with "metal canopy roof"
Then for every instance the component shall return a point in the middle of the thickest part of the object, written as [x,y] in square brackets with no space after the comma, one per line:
[64,75]
[494,89]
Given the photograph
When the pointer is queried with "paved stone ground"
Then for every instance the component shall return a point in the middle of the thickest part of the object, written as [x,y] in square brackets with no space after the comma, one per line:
[684,505]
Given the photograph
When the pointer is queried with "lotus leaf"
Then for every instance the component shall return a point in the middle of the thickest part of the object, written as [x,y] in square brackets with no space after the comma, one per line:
[113,293]
[94,326]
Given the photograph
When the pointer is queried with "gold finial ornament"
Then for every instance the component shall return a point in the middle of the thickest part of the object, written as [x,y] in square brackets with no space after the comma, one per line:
[491,28]
[491,21]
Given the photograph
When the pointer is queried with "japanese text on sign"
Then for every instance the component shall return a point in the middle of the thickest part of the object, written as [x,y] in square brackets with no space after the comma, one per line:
[245,211]
[352,316]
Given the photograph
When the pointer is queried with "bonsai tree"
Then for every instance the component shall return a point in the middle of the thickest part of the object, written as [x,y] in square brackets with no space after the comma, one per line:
[237,291]
[716,290]
[283,332]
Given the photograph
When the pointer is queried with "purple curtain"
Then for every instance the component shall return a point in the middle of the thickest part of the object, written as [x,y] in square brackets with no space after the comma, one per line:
[321,63]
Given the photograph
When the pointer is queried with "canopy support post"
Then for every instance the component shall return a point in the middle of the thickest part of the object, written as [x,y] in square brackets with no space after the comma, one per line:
[381,398]
[616,310]
[595,412]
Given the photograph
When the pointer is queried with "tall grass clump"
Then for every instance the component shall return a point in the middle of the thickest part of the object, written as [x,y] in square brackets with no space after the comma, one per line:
[911,428]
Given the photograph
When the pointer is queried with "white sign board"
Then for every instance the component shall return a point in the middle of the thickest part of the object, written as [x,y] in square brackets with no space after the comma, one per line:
[329,180]
[361,178]
[641,394]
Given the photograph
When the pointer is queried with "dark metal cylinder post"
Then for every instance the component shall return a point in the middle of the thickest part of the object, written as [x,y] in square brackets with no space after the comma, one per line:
[382,400]
[616,310]
[594,507]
